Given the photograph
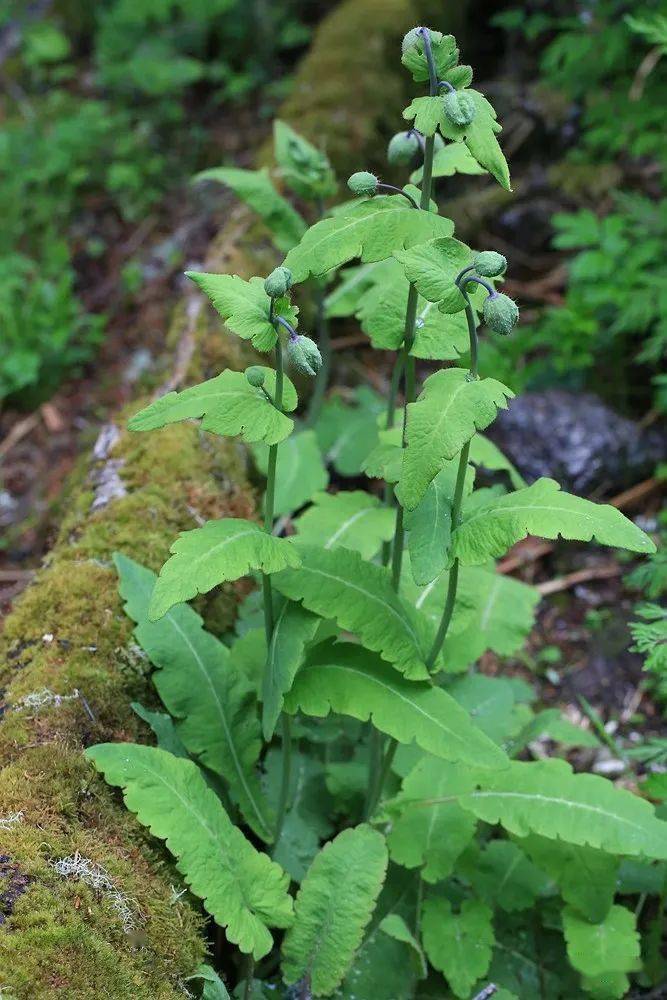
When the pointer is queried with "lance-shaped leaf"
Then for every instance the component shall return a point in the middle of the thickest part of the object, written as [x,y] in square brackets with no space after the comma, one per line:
[244,306]
[458,944]
[198,682]
[303,167]
[346,434]
[344,678]
[243,890]
[381,310]
[333,906]
[215,553]
[542,509]
[433,267]
[484,453]
[545,797]
[450,409]
[503,876]
[430,838]
[395,926]
[370,230]
[586,877]
[337,583]
[300,471]
[229,406]
[163,728]
[254,187]
[430,525]
[352,519]
[609,946]
[293,629]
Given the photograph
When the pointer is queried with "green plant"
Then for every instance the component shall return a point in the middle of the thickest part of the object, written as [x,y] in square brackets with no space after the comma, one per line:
[444,854]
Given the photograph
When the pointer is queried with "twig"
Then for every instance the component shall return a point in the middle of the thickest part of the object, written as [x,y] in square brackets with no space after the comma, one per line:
[18,432]
[605,572]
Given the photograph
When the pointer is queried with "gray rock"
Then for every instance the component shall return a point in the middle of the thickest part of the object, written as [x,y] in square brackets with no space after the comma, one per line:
[578,440]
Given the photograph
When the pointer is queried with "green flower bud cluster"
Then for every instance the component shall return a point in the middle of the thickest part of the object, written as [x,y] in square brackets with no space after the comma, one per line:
[459,107]
[363,183]
[500,313]
[489,264]
[256,375]
[304,355]
[278,283]
[402,149]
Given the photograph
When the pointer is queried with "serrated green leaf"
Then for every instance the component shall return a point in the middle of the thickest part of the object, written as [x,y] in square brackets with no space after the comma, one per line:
[346,434]
[344,678]
[304,168]
[489,701]
[164,729]
[545,797]
[215,553]
[300,471]
[430,525]
[586,877]
[609,946]
[430,838]
[385,460]
[293,629]
[484,453]
[353,519]
[395,926]
[480,138]
[352,284]
[503,876]
[608,986]
[370,230]
[449,410]
[333,906]
[445,56]
[244,306]
[201,687]
[214,988]
[543,510]
[458,944]
[455,158]
[229,406]
[255,188]
[241,888]
[432,267]
[338,584]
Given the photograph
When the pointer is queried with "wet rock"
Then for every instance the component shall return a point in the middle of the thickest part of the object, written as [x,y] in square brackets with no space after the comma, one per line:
[578,440]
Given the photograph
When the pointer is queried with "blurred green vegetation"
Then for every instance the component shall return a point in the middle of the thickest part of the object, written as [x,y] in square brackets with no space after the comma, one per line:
[105,111]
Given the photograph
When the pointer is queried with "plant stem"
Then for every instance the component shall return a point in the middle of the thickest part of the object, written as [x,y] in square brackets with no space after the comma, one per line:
[452,587]
[374,768]
[249,976]
[285,777]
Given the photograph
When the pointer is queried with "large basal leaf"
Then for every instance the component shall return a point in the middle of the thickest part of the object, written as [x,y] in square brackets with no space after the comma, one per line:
[542,509]
[433,267]
[345,678]
[241,888]
[244,306]
[346,434]
[370,230]
[338,584]
[254,187]
[293,629]
[450,409]
[545,797]
[610,946]
[430,525]
[503,876]
[229,406]
[353,283]
[385,460]
[333,906]
[458,944]
[215,553]
[200,685]
[493,703]
[433,838]
[352,519]
[586,877]
[484,453]
[300,471]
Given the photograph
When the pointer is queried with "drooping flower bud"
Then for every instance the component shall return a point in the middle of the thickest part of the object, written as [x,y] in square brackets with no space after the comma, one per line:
[438,143]
[256,375]
[412,38]
[304,355]
[500,313]
[278,282]
[363,183]
[489,263]
[459,107]
[402,149]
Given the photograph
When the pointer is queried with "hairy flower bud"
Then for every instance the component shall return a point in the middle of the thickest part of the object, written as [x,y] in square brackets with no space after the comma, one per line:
[278,282]
[459,107]
[255,375]
[363,183]
[411,39]
[402,149]
[489,264]
[500,313]
[304,355]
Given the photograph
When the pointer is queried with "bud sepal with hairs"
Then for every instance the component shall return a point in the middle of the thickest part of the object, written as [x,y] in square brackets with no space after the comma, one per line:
[278,282]
[501,313]
[363,182]
[459,107]
[304,355]
[489,263]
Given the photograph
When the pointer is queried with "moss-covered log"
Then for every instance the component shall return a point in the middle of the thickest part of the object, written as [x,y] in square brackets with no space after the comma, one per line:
[89,905]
